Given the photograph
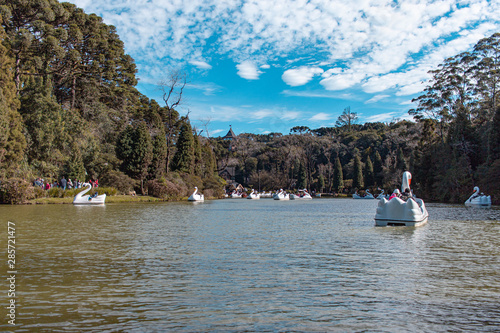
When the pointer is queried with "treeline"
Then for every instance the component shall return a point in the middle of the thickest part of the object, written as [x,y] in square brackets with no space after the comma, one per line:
[453,146]
[69,107]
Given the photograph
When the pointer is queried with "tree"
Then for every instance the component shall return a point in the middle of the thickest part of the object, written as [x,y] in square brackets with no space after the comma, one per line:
[357,181]
[172,90]
[347,118]
[135,149]
[338,180]
[183,159]
[158,163]
[12,140]
[321,183]
[377,169]
[401,164]
[369,174]
[302,177]
[300,129]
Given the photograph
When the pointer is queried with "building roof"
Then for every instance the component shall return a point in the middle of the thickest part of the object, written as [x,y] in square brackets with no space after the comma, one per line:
[230,134]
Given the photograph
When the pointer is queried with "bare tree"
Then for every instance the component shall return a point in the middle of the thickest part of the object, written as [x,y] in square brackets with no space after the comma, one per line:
[172,96]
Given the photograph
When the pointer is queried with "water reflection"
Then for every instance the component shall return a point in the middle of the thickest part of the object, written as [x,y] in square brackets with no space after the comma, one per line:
[254,265]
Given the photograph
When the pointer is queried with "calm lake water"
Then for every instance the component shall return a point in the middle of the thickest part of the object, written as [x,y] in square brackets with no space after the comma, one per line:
[251,265]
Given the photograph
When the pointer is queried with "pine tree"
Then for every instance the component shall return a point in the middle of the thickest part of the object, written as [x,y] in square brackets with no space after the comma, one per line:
[338,178]
[12,140]
[378,169]
[369,175]
[401,164]
[357,181]
[158,164]
[184,156]
[135,149]
[302,177]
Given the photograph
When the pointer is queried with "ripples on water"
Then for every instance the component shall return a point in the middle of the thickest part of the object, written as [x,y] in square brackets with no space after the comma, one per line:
[245,265]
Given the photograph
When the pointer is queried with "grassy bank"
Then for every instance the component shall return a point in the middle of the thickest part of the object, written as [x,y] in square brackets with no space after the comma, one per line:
[109,199]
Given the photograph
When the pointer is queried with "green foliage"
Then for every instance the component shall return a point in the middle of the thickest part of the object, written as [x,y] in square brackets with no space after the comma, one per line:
[183,160]
[369,174]
[302,177]
[135,150]
[164,189]
[338,178]
[119,180]
[16,191]
[357,181]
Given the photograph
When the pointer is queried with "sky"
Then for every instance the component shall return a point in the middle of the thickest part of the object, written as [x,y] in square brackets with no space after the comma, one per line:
[263,66]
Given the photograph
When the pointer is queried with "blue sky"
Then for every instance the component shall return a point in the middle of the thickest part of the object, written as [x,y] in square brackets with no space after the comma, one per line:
[266,66]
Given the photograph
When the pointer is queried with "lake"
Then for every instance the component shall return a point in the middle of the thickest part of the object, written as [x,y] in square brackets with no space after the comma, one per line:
[238,265]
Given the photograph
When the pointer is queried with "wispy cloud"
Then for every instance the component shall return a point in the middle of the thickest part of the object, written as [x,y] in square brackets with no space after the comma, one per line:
[320,117]
[200,64]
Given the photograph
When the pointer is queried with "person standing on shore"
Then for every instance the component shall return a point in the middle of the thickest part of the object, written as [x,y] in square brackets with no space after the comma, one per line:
[64,182]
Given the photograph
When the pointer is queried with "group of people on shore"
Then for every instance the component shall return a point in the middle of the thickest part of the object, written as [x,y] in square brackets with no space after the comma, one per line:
[63,183]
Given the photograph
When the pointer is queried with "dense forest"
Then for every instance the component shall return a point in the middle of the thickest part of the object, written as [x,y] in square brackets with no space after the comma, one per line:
[69,107]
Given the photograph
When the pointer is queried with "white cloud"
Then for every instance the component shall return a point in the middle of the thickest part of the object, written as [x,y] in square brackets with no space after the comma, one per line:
[200,64]
[320,117]
[383,117]
[376,98]
[378,46]
[290,115]
[261,114]
[300,76]
[248,70]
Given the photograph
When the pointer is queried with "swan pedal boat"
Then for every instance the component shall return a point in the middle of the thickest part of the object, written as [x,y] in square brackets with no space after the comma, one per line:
[478,200]
[281,195]
[397,212]
[81,199]
[253,195]
[304,195]
[367,196]
[196,196]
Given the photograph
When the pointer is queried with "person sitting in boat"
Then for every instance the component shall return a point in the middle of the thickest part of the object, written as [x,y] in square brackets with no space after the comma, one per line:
[395,194]
[406,194]
[93,196]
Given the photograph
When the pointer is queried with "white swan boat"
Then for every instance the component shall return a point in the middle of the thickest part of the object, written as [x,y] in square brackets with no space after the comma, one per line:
[303,195]
[478,199]
[236,195]
[266,194]
[367,196]
[398,212]
[281,195]
[253,195]
[382,195]
[81,199]
[196,196]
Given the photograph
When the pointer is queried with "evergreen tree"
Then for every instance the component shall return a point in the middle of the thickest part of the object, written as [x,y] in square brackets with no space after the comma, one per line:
[135,149]
[338,178]
[401,164]
[378,169]
[75,168]
[184,156]
[158,163]
[495,137]
[369,175]
[302,177]
[197,156]
[321,183]
[12,140]
[357,181]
